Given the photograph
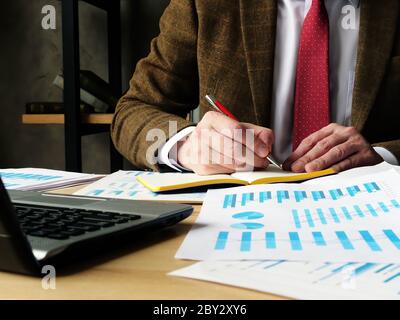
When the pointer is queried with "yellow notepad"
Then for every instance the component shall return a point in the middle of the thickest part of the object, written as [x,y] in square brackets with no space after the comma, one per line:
[160,182]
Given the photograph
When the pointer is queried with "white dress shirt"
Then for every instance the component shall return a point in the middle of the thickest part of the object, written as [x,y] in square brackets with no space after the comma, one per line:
[344,20]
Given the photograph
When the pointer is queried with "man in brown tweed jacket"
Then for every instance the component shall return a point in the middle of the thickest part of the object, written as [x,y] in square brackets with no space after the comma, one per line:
[244,53]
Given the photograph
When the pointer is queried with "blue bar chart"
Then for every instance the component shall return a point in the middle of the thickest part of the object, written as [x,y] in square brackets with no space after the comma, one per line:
[27,176]
[297,243]
[358,220]
[282,196]
[347,280]
[314,218]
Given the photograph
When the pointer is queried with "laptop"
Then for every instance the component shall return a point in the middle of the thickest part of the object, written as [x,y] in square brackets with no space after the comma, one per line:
[39,229]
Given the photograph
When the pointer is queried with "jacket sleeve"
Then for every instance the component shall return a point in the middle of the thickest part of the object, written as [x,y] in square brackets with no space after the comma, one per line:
[164,88]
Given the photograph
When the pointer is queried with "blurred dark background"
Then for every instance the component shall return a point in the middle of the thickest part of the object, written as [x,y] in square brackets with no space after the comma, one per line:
[30,59]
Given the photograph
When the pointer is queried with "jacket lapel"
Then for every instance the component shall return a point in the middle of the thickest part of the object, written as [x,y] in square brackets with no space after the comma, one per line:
[258,20]
[377,32]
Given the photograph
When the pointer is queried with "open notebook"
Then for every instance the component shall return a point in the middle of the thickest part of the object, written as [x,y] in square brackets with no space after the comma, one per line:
[160,182]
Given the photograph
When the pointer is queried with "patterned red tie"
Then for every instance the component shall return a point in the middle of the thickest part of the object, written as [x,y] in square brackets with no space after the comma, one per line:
[311,110]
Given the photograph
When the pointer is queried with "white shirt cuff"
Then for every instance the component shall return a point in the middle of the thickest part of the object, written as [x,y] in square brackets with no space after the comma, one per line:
[168,153]
[387,156]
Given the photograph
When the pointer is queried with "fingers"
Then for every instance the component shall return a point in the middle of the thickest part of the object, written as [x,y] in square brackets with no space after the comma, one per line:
[323,148]
[222,145]
[364,158]
[335,145]
[216,148]
[307,144]
[333,156]
[263,139]
[257,139]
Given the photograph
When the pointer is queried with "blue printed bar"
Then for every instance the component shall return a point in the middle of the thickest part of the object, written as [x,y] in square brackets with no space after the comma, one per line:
[270,240]
[364,268]
[295,241]
[246,197]
[245,245]
[376,187]
[274,264]
[227,201]
[369,239]
[296,219]
[392,278]
[372,210]
[371,187]
[334,215]
[359,212]
[344,240]
[342,267]
[384,268]
[353,190]
[309,218]
[96,192]
[134,193]
[395,204]
[300,195]
[336,194]
[319,239]
[265,195]
[221,240]
[333,194]
[321,216]
[282,195]
[28,176]
[317,195]
[117,192]
[233,200]
[368,187]
[384,207]
[392,237]
[346,213]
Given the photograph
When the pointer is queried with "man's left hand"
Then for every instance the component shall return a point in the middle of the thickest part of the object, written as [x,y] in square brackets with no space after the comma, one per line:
[334,146]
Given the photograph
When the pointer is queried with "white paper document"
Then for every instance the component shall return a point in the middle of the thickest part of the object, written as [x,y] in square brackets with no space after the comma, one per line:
[357,220]
[34,179]
[123,185]
[303,280]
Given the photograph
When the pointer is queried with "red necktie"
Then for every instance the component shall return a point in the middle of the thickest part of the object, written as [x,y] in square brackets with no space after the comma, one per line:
[311,109]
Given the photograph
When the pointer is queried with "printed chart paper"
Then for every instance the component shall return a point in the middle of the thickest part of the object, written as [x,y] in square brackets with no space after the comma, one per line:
[303,280]
[356,221]
[34,179]
[123,185]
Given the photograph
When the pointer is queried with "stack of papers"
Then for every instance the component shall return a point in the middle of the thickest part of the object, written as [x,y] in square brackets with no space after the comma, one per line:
[33,179]
[123,185]
[338,237]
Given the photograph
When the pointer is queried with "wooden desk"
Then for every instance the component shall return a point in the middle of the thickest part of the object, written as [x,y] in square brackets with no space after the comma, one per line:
[138,271]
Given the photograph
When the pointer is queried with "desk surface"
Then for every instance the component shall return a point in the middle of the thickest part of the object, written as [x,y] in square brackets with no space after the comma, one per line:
[138,271]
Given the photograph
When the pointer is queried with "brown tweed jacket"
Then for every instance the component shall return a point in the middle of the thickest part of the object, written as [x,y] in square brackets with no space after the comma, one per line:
[226,48]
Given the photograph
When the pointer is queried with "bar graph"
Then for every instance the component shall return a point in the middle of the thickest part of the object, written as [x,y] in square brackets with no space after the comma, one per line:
[310,218]
[297,241]
[123,185]
[27,176]
[358,220]
[282,196]
[309,280]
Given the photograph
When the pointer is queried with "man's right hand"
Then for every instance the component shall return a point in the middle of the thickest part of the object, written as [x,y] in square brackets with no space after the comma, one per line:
[222,145]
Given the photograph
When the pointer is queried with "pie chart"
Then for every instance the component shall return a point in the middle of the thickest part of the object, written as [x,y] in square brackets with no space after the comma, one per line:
[248,215]
[247,226]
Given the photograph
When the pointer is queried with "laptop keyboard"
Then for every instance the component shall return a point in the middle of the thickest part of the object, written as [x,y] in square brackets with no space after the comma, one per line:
[64,223]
